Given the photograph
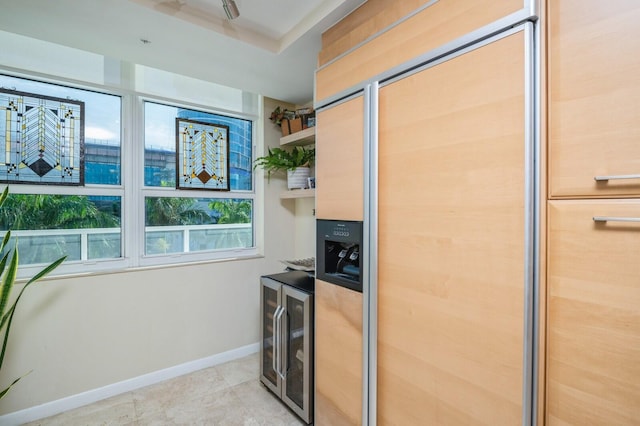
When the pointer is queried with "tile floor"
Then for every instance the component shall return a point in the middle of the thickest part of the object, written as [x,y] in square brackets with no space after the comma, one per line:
[227,394]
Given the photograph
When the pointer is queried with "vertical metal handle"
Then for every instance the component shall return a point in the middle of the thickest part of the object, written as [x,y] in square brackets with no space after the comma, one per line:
[274,343]
[282,311]
[285,335]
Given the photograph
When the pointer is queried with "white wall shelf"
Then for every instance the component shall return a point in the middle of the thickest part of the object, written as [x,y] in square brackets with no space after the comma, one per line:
[298,193]
[303,137]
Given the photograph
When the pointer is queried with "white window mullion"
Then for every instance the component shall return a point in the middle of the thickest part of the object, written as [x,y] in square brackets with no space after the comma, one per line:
[84,245]
[185,240]
[131,225]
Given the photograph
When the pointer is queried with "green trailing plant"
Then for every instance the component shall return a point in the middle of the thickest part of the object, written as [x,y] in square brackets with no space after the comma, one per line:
[279,159]
[8,274]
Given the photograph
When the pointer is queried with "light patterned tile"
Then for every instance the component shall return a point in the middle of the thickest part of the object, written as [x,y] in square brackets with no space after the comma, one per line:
[114,411]
[226,395]
[263,406]
[176,391]
[240,370]
[157,418]
[222,407]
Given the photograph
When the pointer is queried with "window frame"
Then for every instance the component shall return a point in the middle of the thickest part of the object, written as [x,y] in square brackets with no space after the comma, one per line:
[133,192]
[155,191]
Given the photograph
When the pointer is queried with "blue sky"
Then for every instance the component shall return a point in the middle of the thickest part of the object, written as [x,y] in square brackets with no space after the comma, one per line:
[102,112]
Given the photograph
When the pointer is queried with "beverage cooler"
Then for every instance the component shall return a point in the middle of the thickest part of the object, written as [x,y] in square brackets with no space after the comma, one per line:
[286,348]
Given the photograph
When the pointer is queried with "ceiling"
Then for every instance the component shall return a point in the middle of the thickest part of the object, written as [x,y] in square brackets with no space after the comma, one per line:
[270,49]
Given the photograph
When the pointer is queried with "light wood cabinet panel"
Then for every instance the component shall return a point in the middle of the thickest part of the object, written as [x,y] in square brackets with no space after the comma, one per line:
[594,87]
[432,27]
[593,374]
[451,269]
[340,161]
[370,18]
[338,354]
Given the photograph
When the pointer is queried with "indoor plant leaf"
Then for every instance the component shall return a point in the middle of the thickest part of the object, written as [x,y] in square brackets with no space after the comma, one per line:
[278,159]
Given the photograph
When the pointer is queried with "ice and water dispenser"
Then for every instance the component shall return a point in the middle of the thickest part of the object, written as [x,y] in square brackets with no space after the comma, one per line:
[338,254]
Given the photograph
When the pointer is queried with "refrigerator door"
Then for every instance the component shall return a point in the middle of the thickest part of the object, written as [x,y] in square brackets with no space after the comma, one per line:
[270,309]
[297,351]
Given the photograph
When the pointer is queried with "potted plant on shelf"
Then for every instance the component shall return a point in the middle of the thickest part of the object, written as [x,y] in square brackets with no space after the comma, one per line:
[296,162]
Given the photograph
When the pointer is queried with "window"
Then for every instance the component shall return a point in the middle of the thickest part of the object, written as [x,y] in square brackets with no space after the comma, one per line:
[88,221]
[184,222]
[49,219]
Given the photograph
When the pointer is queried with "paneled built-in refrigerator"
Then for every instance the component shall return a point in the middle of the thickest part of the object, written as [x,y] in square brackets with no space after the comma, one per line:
[286,348]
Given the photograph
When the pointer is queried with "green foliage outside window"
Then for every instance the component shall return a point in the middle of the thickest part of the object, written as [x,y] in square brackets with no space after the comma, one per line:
[232,211]
[36,212]
[172,211]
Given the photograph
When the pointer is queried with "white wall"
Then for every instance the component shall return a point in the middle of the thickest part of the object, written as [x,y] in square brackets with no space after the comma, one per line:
[79,334]
[304,229]
[305,235]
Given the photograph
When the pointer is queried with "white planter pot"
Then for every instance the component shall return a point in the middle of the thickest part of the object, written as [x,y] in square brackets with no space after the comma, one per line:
[297,178]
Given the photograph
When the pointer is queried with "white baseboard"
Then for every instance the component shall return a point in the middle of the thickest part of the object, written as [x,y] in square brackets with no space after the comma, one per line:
[69,403]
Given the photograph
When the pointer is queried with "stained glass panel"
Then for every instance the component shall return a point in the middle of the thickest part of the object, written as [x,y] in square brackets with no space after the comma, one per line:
[203,155]
[42,139]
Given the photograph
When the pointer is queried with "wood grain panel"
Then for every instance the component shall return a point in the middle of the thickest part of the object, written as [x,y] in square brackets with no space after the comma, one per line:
[451,241]
[340,161]
[594,314]
[594,84]
[434,26]
[338,355]
[369,19]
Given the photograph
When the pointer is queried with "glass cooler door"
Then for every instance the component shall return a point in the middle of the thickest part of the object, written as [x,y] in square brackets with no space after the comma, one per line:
[297,347]
[270,311]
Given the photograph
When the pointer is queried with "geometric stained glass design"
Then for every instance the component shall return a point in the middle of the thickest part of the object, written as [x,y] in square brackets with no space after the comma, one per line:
[203,155]
[41,139]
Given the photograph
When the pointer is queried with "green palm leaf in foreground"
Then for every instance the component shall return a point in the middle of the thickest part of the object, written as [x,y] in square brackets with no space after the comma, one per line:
[8,273]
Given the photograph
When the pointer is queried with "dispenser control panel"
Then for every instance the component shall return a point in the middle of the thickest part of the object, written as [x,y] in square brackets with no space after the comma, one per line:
[339,245]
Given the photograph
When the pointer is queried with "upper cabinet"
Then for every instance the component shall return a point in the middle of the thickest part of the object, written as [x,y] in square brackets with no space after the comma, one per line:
[437,24]
[594,87]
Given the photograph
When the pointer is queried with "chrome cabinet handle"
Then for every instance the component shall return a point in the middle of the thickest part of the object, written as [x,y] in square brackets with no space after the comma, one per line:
[615,219]
[282,311]
[615,177]
[274,345]
[285,335]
